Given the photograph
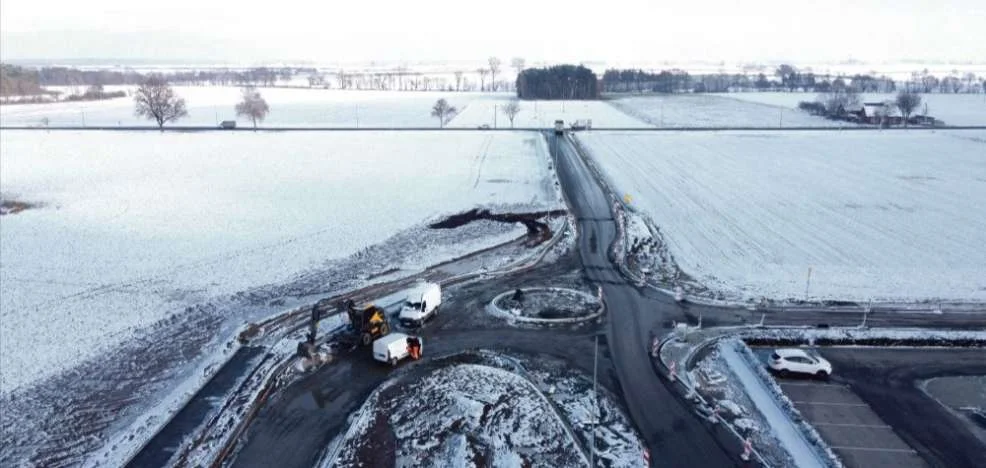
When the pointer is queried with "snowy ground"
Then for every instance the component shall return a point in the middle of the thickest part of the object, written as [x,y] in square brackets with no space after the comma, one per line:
[874,215]
[542,114]
[207,105]
[751,407]
[953,109]
[136,227]
[715,110]
[553,303]
[488,410]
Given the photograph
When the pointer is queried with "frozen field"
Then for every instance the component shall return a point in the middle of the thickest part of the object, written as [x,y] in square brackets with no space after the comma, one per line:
[713,110]
[875,215]
[953,109]
[135,227]
[288,108]
[542,114]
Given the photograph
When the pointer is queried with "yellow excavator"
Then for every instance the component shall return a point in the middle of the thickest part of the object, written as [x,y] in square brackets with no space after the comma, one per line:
[369,323]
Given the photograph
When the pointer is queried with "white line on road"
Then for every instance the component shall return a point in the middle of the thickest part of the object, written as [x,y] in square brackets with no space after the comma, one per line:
[873,426]
[815,384]
[874,449]
[828,403]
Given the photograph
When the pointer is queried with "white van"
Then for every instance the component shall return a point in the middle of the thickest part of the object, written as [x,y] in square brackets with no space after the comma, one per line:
[393,347]
[421,304]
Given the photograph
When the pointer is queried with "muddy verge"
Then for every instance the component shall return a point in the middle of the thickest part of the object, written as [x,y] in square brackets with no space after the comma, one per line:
[538,231]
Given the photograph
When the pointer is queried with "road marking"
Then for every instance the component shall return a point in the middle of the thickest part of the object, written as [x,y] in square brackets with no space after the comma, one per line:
[874,449]
[873,426]
[828,403]
[817,384]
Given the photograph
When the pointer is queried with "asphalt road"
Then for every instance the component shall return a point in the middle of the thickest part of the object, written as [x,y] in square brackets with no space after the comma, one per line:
[885,379]
[675,436]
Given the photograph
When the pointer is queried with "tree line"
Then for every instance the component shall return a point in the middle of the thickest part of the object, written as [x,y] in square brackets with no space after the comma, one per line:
[784,78]
[485,78]
[557,82]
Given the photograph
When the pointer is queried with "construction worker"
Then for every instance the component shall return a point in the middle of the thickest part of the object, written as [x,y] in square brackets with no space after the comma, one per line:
[414,347]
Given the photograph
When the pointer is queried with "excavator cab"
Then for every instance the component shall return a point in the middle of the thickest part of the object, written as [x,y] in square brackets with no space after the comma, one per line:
[369,322]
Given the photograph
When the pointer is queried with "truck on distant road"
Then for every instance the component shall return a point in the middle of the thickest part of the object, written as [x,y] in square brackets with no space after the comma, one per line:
[559,127]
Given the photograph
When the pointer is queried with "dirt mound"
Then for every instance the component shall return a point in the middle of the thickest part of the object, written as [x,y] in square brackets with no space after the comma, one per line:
[537,230]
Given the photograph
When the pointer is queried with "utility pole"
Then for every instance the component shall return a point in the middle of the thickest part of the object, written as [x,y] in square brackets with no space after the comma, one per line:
[807,283]
[357,115]
[494,115]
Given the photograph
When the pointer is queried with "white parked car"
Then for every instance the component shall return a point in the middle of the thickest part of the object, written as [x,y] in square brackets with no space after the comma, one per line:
[422,303]
[797,361]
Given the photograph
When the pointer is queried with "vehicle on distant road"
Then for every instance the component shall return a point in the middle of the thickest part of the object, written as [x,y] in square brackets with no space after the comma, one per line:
[582,124]
[227,124]
[559,127]
[484,127]
[787,361]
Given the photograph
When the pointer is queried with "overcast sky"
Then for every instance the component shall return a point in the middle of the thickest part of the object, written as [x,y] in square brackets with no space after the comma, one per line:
[613,30]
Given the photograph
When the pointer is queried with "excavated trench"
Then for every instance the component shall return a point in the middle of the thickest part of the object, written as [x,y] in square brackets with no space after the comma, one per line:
[538,230]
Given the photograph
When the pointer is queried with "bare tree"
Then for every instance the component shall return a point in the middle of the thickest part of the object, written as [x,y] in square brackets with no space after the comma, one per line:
[482,78]
[907,101]
[443,111]
[253,106]
[458,80]
[494,69]
[156,101]
[511,109]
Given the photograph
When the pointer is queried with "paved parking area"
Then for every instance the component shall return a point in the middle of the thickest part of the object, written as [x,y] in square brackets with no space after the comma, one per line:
[850,426]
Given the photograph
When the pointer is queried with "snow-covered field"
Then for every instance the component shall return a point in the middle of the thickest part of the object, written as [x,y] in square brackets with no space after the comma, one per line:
[135,228]
[542,114]
[288,108]
[715,110]
[953,109]
[873,215]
